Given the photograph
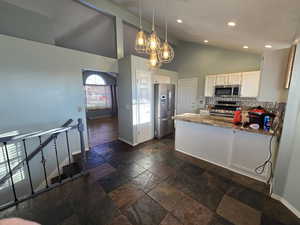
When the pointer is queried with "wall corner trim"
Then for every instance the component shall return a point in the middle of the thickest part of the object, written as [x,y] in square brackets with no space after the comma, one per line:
[286,204]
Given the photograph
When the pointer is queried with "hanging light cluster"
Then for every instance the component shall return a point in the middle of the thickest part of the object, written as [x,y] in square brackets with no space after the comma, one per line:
[158,52]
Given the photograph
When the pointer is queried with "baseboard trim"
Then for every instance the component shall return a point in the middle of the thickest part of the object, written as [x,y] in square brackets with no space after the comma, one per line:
[225,167]
[127,142]
[286,204]
[79,152]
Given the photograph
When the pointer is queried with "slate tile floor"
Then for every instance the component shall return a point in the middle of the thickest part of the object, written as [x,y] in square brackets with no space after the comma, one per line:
[151,184]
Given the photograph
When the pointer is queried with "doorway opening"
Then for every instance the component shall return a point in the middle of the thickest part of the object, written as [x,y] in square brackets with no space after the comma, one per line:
[101,107]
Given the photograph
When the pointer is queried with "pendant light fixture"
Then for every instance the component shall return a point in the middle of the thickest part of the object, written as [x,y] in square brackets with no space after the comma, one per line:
[141,37]
[153,43]
[166,55]
[154,62]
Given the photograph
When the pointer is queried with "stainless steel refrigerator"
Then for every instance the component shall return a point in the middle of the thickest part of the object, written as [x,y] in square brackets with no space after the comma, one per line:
[164,109]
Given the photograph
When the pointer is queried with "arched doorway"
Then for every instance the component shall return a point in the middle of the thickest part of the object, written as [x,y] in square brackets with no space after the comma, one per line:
[101,107]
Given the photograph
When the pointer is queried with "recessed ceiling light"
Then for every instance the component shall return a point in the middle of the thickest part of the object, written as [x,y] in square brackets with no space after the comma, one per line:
[179,21]
[245,46]
[205,41]
[231,24]
[268,46]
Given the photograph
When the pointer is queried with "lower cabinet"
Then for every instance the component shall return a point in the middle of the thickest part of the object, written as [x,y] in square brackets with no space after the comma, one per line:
[240,151]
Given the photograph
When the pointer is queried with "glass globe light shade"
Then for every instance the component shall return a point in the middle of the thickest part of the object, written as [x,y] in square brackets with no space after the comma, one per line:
[167,53]
[141,42]
[153,43]
[154,62]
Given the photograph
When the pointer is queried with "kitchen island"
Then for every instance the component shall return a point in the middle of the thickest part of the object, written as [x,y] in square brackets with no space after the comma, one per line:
[218,141]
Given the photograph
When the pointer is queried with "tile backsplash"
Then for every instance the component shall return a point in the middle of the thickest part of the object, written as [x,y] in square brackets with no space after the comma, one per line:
[249,103]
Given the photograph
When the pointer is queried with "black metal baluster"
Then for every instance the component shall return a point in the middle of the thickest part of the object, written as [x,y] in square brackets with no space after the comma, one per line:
[68,147]
[57,162]
[28,168]
[80,128]
[69,153]
[10,172]
[44,163]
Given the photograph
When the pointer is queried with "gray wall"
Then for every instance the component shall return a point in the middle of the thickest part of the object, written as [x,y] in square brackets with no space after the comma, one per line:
[64,23]
[41,86]
[22,23]
[195,60]
[287,174]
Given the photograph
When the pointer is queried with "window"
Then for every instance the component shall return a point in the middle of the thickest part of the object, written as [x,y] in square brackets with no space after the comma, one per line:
[98,94]
[95,80]
[98,97]
[15,154]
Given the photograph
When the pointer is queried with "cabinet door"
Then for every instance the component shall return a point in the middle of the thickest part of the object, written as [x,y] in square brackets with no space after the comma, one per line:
[250,84]
[222,79]
[210,83]
[160,79]
[235,79]
[143,107]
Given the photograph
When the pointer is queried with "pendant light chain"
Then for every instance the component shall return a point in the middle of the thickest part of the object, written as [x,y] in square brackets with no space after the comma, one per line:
[140,12]
[166,21]
[153,14]
[141,37]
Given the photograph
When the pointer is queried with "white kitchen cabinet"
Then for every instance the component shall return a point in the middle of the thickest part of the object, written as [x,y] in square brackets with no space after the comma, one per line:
[136,100]
[143,107]
[234,79]
[210,83]
[250,84]
[160,79]
[239,151]
[222,79]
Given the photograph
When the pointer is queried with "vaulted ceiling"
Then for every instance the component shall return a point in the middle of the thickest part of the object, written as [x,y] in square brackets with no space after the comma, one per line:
[259,22]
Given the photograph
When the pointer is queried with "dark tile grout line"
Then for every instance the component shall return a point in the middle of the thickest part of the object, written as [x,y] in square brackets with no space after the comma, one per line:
[185,161]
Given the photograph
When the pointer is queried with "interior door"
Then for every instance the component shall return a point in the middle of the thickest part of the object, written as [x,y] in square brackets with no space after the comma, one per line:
[187,95]
[144,126]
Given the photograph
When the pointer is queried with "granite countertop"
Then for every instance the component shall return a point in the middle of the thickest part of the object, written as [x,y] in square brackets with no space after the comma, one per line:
[217,122]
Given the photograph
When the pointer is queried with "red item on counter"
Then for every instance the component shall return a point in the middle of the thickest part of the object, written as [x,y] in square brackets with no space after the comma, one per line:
[258,110]
[237,117]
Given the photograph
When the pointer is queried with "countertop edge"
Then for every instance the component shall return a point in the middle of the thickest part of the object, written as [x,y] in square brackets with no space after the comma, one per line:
[219,124]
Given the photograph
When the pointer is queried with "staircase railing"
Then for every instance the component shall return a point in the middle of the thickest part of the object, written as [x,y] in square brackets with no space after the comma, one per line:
[39,150]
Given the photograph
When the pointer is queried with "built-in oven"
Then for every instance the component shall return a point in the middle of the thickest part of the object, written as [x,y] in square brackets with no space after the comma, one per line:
[227,91]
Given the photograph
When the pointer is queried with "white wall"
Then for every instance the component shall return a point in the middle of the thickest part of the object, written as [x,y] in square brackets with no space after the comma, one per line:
[273,73]
[41,86]
[287,176]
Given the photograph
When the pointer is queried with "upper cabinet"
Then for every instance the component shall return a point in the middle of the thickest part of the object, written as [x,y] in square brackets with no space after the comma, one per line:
[250,84]
[222,79]
[248,81]
[210,83]
[235,79]
[160,79]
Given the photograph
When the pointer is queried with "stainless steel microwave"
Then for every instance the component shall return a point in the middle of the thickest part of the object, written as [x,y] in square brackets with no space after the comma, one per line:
[227,91]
